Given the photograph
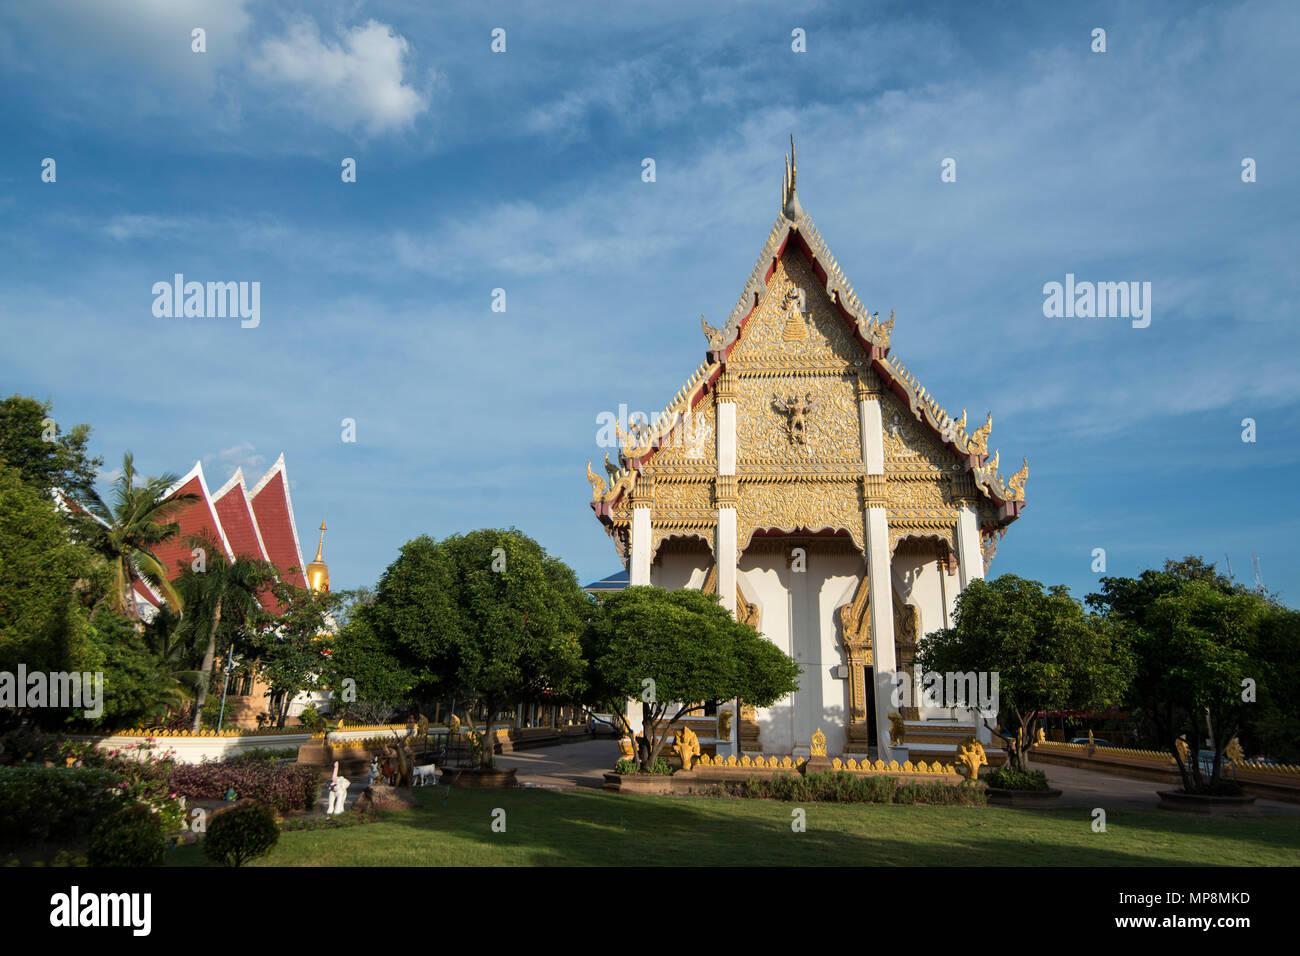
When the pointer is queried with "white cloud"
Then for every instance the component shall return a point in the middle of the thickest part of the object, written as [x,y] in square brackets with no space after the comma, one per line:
[237,456]
[358,81]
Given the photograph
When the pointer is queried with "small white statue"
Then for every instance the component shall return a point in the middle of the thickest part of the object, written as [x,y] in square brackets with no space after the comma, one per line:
[373,774]
[338,791]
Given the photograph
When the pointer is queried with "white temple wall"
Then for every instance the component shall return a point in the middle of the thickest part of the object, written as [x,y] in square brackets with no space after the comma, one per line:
[922,580]
[799,614]
[680,568]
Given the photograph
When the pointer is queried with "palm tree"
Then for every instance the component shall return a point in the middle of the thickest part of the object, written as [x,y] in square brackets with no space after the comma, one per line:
[224,587]
[171,641]
[126,533]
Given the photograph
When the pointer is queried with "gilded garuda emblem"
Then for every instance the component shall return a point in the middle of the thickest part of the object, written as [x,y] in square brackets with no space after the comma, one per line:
[796,409]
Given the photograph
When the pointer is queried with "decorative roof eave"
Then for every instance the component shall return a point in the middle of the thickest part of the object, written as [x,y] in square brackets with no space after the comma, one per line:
[1007,495]
[636,449]
[873,335]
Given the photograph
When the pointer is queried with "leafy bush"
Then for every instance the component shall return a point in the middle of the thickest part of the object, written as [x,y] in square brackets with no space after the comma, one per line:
[629,766]
[940,795]
[241,834]
[845,787]
[270,753]
[130,837]
[312,720]
[284,788]
[53,803]
[1005,778]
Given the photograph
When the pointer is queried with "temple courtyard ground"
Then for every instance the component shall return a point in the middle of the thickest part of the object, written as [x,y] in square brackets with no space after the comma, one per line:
[560,817]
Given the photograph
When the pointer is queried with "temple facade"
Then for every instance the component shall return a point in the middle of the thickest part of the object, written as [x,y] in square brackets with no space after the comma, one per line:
[805,476]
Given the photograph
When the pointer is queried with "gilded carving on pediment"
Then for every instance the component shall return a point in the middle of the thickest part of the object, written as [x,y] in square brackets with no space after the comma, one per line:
[672,497]
[910,445]
[797,418]
[795,320]
[793,506]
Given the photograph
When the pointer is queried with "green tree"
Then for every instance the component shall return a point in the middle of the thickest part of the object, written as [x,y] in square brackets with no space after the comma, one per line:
[291,655]
[518,617]
[224,587]
[1046,650]
[415,619]
[126,533]
[44,456]
[42,573]
[171,642]
[672,651]
[364,653]
[136,689]
[1195,638]
[1274,726]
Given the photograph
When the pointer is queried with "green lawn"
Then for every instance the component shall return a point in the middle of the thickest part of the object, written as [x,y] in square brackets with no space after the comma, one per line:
[578,828]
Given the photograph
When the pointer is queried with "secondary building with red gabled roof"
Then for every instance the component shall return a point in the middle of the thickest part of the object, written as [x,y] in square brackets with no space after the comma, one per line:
[805,476]
[255,523]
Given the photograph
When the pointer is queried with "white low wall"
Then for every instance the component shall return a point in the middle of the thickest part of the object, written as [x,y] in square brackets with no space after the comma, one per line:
[196,749]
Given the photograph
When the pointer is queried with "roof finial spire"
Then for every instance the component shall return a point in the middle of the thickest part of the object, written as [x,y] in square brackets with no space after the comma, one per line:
[790,207]
[318,574]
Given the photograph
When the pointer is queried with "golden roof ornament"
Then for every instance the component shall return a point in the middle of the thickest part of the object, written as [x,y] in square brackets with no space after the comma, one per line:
[979,442]
[318,572]
[598,488]
[1016,483]
[790,207]
[713,335]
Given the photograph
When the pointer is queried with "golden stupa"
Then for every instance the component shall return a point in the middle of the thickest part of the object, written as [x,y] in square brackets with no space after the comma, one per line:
[318,572]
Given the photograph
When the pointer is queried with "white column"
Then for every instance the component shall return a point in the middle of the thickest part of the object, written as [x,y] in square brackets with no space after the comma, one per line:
[880,591]
[639,564]
[724,549]
[725,554]
[970,561]
[873,436]
[881,597]
[970,566]
[726,438]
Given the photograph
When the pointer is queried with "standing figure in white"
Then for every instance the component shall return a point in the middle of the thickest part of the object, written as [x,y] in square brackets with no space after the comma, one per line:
[338,791]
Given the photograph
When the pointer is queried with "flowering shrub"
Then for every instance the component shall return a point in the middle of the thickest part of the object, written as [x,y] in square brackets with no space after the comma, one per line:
[141,775]
[284,788]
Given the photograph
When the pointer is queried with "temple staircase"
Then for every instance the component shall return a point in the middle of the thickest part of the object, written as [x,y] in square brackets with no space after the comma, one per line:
[932,740]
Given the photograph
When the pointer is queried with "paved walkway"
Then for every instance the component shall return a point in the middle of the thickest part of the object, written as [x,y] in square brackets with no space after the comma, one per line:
[584,764]
[580,764]
[1088,788]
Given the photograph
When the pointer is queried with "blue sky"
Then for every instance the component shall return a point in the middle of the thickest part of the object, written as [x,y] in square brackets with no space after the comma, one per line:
[522,170]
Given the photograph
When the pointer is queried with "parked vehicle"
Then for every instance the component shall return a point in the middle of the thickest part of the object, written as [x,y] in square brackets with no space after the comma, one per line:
[603,725]
[1098,741]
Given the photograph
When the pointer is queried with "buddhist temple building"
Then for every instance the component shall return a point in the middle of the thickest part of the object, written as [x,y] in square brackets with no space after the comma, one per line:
[254,522]
[808,478]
